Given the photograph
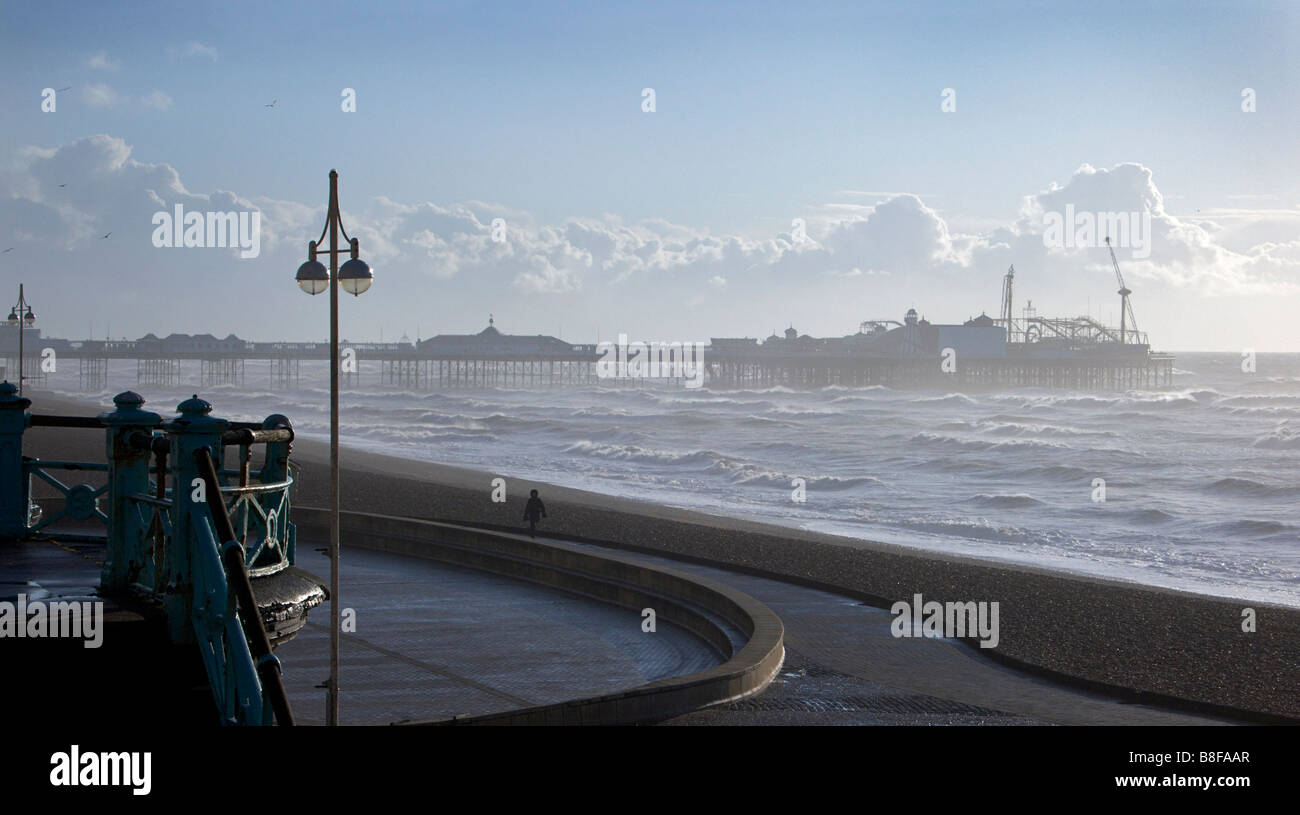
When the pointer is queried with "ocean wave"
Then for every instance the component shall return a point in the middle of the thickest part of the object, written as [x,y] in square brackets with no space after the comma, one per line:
[645,455]
[1129,399]
[736,470]
[940,440]
[1019,499]
[1234,485]
[1061,472]
[598,410]
[1259,400]
[977,529]
[1266,410]
[949,464]
[1284,437]
[1251,528]
[946,399]
[780,410]
[755,475]
[764,421]
[1037,429]
[1149,517]
[929,438]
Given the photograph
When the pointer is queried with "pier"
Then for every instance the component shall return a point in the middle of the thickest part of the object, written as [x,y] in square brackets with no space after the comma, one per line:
[1079,355]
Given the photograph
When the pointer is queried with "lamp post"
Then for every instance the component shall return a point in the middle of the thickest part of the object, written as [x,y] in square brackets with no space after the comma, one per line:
[314,278]
[18,318]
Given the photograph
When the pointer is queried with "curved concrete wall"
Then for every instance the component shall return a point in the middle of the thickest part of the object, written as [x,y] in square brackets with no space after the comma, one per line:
[691,602]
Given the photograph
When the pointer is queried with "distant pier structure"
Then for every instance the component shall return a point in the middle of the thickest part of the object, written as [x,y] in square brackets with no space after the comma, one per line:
[982,353]
[1077,353]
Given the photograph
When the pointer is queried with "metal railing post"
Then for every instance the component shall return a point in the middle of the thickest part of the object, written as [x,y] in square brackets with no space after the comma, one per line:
[15,497]
[129,435]
[275,468]
[191,430]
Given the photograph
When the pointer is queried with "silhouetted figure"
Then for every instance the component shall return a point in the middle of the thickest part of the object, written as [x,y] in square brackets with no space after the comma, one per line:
[534,510]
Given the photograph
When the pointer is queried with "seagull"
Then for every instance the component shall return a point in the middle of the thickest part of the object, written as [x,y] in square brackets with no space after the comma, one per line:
[105,236]
[273,101]
[61,90]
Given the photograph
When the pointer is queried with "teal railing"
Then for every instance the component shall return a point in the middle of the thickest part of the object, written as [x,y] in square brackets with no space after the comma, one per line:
[176,533]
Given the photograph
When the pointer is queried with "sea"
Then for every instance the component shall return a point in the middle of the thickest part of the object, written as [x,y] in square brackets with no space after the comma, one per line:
[1195,487]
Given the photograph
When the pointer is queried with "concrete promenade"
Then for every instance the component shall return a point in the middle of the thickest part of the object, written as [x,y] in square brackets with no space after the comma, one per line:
[843,666]
[435,640]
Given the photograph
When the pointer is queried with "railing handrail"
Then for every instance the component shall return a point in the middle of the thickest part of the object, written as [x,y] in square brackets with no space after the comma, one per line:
[268,666]
[235,489]
[257,435]
[50,420]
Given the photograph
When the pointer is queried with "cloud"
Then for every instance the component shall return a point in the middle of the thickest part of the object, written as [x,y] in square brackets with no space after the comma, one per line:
[156,100]
[99,95]
[1192,253]
[193,48]
[99,61]
[854,264]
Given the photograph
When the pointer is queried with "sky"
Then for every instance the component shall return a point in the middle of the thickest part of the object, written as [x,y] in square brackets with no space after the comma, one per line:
[814,165]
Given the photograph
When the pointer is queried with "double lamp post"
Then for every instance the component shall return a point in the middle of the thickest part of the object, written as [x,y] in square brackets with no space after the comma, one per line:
[18,318]
[355,277]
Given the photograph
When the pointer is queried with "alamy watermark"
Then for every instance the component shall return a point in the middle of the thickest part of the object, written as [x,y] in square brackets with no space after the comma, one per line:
[209,230]
[39,619]
[76,768]
[651,360]
[1088,230]
[948,620]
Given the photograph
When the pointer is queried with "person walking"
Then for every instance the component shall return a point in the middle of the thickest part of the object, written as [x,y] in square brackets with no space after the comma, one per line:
[533,511]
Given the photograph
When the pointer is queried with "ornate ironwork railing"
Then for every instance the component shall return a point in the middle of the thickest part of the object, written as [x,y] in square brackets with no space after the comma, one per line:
[178,529]
[80,501]
[260,516]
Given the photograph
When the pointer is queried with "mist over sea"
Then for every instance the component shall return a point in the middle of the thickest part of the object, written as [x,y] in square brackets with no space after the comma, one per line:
[1201,486]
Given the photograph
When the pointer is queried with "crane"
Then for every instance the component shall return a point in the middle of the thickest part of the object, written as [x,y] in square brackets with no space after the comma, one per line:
[1006,300]
[1126,320]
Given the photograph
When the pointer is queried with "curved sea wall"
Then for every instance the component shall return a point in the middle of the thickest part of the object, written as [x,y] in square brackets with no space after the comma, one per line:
[705,608]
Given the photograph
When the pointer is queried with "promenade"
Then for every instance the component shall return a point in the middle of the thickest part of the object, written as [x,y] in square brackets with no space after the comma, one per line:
[434,640]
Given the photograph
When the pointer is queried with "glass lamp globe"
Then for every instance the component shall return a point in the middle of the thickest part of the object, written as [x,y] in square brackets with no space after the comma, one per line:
[313,277]
[355,276]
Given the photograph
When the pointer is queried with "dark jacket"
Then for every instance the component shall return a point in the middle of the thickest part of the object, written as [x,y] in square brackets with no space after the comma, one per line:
[535,509]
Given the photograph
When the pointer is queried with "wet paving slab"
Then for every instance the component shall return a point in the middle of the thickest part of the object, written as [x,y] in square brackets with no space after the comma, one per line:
[435,640]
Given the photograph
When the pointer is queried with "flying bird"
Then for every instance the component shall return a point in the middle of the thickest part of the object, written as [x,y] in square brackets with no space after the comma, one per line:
[61,90]
[10,249]
[273,101]
[63,185]
[105,236]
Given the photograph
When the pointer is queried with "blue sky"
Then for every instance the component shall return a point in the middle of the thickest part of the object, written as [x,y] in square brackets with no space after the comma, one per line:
[764,113]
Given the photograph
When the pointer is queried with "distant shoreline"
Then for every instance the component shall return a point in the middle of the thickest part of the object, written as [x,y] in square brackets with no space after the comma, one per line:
[1146,642]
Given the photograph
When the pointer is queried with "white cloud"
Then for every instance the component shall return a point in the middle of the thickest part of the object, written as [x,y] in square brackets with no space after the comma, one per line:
[99,95]
[193,48]
[1199,253]
[99,61]
[859,263]
[156,100]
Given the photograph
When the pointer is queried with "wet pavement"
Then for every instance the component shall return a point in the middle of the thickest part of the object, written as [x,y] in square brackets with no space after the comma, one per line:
[434,640]
[843,666]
